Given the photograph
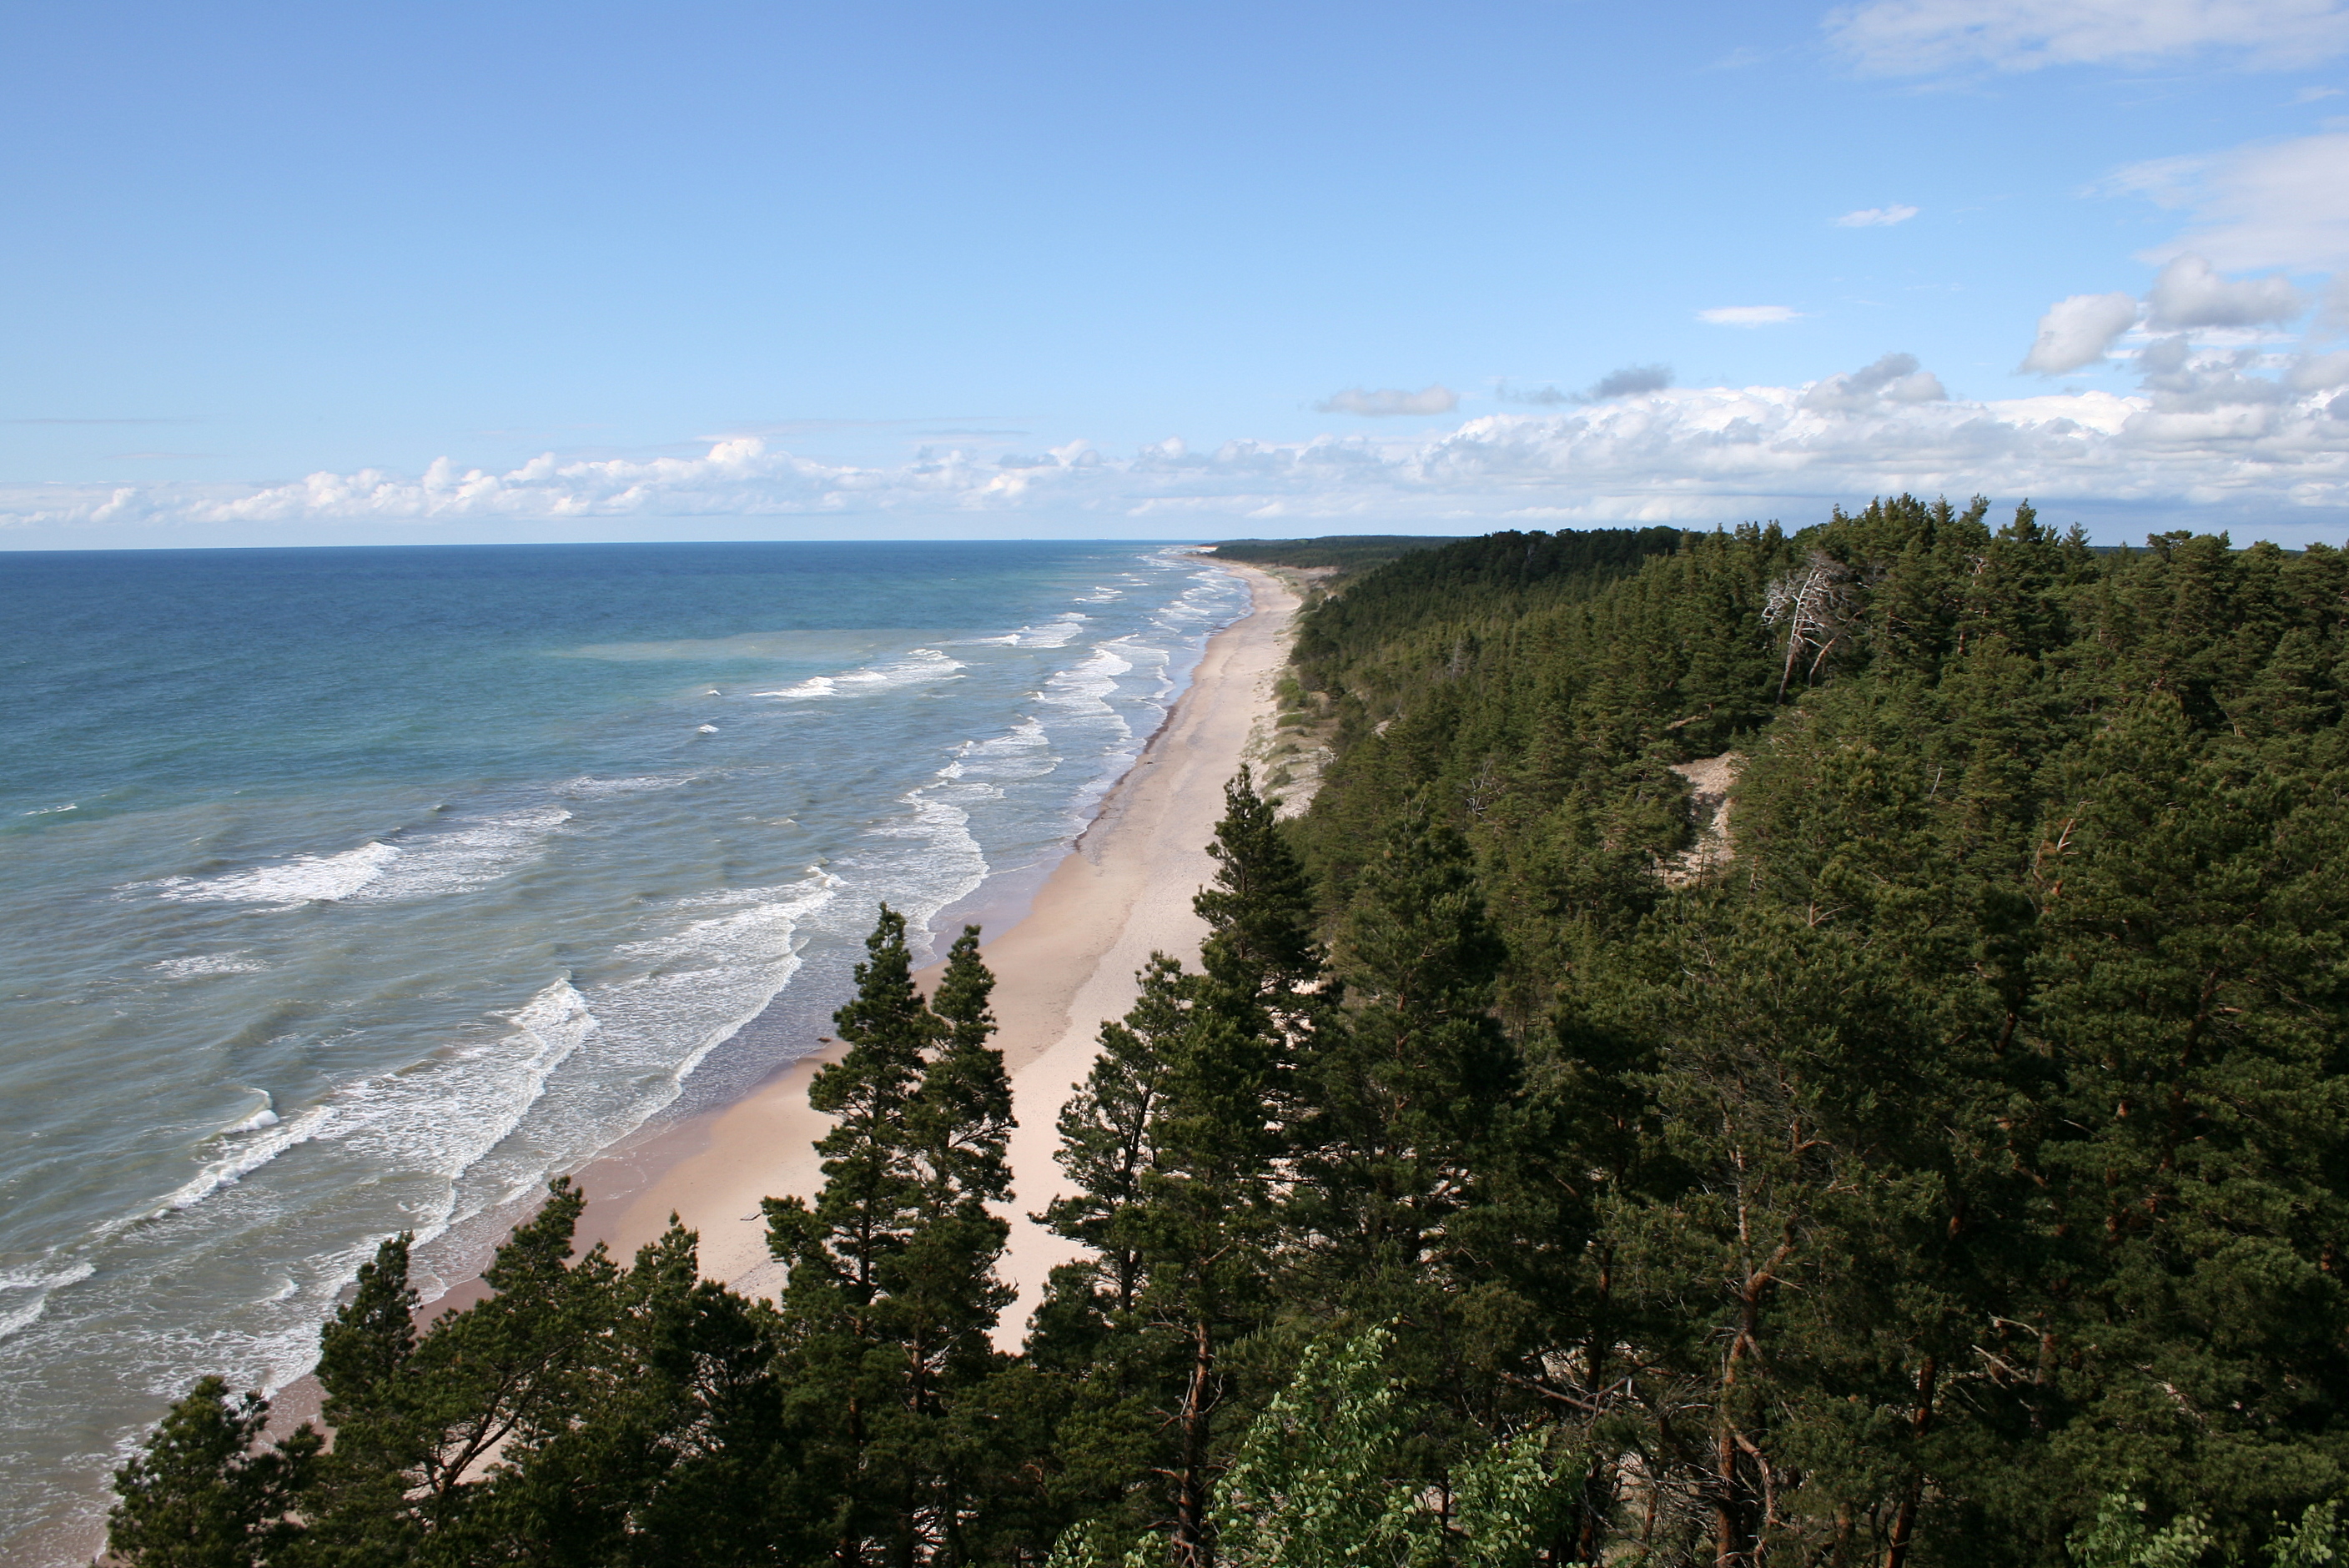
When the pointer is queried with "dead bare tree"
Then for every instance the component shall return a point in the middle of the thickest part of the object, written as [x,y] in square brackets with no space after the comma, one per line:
[1817,604]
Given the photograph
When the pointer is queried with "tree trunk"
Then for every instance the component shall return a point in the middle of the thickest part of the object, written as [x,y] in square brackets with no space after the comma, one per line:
[1192,1547]
[1904,1523]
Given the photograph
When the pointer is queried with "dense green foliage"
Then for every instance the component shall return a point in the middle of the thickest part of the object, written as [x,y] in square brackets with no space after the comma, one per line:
[1973,1143]
[1346,552]
[1943,1157]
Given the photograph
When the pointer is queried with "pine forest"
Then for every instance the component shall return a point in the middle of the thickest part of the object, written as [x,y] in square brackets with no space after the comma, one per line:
[1765,1048]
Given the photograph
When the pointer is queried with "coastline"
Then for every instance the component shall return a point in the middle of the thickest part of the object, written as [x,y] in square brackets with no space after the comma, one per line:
[1121,892]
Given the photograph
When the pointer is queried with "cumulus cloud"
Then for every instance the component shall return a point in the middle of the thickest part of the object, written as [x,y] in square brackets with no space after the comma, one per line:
[2319,372]
[1627,381]
[1631,380]
[2191,293]
[2282,205]
[1895,378]
[1876,217]
[1909,38]
[2208,428]
[2184,381]
[2078,331]
[1389,400]
[1748,315]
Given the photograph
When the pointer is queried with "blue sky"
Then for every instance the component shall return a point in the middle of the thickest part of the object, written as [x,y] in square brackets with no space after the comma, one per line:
[327,273]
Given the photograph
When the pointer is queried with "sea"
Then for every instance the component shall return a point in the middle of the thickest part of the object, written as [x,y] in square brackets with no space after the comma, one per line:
[351,891]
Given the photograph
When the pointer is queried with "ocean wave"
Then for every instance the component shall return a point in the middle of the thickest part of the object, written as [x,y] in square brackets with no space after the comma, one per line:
[15,1320]
[950,862]
[1088,684]
[1024,751]
[446,1114]
[586,787]
[41,1283]
[736,964]
[286,885]
[695,988]
[456,859]
[244,1159]
[918,664]
[234,962]
[40,1277]
[1056,632]
[52,811]
[264,1115]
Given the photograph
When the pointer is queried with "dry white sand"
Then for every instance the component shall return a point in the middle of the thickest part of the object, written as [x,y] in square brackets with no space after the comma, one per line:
[1122,894]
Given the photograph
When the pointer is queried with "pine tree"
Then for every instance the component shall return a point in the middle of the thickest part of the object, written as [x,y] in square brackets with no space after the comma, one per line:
[1176,1143]
[942,1295]
[892,1291]
[202,1492]
[1408,1088]
[676,1451]
[1260,956]
[1108,1140]
[419,1421]
[1113,1366]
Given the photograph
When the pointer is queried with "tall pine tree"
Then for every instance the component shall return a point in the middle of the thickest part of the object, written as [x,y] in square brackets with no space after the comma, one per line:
[892,1291]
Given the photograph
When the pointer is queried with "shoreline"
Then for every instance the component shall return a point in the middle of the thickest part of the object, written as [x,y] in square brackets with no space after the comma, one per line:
[1122,890]
[1065,964]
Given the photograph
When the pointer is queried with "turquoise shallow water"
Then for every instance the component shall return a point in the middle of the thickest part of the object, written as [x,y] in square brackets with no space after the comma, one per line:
[350,890]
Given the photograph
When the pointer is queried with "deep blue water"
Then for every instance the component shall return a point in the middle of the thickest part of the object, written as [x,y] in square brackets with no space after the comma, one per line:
[350,890]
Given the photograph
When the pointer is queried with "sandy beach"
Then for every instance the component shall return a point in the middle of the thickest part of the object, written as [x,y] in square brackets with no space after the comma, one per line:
[1122,892]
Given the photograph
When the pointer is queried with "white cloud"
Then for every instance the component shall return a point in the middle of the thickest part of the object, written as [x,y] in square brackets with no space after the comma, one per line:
[2319,372]
[1876,217]
[2282,204]
[2077,331]
[2191,292]
[2208,430]
[1389,400]
[1909,38]
[1748,315]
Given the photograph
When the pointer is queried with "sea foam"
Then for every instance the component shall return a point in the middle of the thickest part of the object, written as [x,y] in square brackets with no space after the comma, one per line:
[918,665]
[462,855]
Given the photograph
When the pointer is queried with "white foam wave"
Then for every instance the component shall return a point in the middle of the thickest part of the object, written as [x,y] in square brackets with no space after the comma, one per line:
[42,1284]
[1088,684]
[464,856]
[51,810]
[234,962]
[696,986]
[1024,751]
[950,862]
[265,1115]
[447,1113]
[289,883]
[734,964]
[468,856]
[35,1277]
[244,1159]
[918,664]
[586,787]
[16,1319]
[1056,632]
